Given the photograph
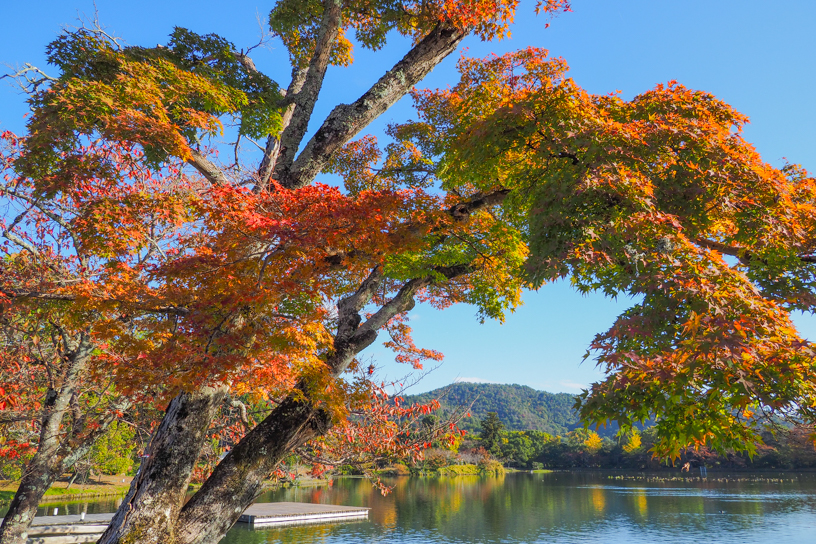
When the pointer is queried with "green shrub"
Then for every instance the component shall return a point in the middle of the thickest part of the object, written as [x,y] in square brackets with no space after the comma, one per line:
[490,466]
[113,452]
[459,470]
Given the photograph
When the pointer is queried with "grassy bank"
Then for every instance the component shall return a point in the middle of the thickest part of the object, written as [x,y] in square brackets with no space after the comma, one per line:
[59,491]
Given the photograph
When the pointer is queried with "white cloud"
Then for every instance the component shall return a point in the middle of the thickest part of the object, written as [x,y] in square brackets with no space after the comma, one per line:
[472,380]
[573,385]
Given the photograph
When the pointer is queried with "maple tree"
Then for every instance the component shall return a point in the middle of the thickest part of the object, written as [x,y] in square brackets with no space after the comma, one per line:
[658,197]
[57,396]
[213,283]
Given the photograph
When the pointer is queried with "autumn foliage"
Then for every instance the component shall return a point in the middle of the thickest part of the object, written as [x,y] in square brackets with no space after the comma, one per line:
[147,269]
[659,198]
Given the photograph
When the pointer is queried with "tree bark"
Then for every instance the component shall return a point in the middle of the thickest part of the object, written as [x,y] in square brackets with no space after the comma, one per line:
[305,97]
[151,507]
[237,480]
[39,475]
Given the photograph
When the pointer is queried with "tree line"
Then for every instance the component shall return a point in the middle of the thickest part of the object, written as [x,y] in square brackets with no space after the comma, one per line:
[789,447]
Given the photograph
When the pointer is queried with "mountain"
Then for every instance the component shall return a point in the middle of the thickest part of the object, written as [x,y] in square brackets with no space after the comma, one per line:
[519,407]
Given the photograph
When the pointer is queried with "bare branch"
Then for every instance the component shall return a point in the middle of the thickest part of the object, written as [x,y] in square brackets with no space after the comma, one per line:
[55,217]
[29,78]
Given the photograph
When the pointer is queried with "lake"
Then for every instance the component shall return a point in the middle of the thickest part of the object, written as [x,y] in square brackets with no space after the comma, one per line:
[559,507]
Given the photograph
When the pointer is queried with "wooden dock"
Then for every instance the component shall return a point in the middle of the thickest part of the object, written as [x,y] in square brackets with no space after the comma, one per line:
[67,529]
[268,514]
[75,530]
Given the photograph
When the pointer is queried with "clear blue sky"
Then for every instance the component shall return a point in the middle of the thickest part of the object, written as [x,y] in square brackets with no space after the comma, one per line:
[756,55]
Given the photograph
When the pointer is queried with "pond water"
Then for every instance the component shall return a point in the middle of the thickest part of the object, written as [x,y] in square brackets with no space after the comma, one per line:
[559,507]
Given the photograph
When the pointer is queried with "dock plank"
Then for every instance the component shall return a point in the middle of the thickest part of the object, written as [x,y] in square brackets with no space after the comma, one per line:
[295,513]
[70,528]
[64,539]
[90,519]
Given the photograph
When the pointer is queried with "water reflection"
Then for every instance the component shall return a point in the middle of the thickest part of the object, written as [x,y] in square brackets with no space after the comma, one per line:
[557,507]
[560,508]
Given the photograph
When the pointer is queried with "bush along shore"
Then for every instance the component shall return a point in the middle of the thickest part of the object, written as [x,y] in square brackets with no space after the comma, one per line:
[789,448]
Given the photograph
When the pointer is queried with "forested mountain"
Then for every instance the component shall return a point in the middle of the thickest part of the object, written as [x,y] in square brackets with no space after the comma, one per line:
[519,407]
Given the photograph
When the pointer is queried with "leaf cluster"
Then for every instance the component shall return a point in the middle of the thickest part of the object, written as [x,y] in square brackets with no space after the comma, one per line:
[661,199]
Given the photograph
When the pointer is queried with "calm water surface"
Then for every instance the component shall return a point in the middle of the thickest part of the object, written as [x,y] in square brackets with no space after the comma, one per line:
[552,508]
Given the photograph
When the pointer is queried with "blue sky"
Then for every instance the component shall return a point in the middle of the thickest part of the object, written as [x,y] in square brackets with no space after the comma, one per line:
[756,55]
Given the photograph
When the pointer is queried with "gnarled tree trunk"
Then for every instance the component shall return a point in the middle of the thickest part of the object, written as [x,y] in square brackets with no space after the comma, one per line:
[237,480]
[151,507]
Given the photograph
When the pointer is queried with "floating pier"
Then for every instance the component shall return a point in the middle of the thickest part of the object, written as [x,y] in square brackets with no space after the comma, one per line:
[68,529]
[87,528]
[277,514]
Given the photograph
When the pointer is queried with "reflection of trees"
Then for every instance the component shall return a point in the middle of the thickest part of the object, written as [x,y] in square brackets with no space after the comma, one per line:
[523,507]
[313,534]
[535,507]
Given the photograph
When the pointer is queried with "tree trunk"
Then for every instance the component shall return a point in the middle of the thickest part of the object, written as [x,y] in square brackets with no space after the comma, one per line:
[39,475]
[151,507]
[237,480]
[47,463]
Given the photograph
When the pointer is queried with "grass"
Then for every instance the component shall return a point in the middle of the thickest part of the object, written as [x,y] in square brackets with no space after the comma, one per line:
[107,485]
[60,492]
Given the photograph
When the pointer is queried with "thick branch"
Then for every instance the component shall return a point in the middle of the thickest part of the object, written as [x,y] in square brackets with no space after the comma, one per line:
[207,168]
[345,121]
[242,409]
[349,307]
[13,416]
[347,346]
[247,63]
[168,310]
[462,210]
[303,101]
[273,142]
[12,237]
